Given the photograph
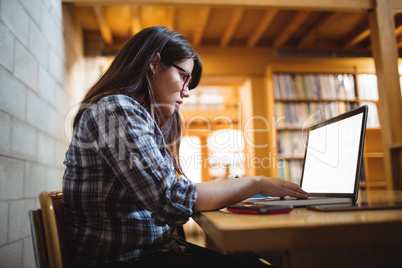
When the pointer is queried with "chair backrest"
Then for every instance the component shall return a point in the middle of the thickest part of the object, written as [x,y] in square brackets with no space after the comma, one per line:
[38,238]
[51,204]
[396,164]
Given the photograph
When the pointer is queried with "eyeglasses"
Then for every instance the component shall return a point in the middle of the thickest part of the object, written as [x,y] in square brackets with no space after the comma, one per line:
[186,78]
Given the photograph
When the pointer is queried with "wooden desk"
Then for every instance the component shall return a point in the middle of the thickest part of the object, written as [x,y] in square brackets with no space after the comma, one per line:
[306,238]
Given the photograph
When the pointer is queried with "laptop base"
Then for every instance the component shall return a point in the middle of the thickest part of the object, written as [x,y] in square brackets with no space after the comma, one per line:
[311,201]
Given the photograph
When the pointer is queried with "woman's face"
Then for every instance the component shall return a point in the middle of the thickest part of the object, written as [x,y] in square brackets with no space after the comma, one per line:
[168,85]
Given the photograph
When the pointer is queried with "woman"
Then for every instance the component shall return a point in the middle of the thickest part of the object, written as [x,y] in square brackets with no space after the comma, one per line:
[122,198]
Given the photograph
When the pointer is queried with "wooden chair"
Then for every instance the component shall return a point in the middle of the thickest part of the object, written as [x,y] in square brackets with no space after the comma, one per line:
[38,238]
[396,165]
[48,232]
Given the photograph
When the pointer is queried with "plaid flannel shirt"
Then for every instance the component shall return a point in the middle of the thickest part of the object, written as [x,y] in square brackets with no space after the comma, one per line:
[121,194]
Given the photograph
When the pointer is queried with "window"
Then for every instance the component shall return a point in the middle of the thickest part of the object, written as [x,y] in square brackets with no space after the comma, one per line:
[190,158]
[226,153]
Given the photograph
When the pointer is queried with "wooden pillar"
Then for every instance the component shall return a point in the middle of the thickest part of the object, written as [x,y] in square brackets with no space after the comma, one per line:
[260,126]
[246,112]
[385,54]
[270,110]
[205,154]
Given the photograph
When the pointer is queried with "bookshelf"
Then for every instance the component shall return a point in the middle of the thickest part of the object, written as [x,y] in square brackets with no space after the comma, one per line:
[373,158]
[302,99]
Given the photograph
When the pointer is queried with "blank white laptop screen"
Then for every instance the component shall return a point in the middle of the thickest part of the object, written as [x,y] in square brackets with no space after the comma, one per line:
[331,157]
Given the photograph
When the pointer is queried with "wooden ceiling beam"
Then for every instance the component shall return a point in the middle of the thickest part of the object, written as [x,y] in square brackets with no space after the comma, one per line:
[103,27]
[364,33]
[136,24]
[357,38]
[398,32]
[360,32]
[293,25]
[312,33]
[201,24]
[232,25]
[286,4]
[262,26]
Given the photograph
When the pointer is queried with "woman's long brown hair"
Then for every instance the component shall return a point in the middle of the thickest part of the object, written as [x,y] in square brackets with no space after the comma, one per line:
[129,74]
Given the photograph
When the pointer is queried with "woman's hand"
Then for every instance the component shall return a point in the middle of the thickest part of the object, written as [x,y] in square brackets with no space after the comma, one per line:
[279,187]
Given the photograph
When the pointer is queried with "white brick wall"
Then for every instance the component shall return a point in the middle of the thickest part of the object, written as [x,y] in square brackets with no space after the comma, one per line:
[6,44]
[19,225]
[38,44]
[26,66]
[47,84]
[52,181]
[40,78]
[23,141]
[46,147]
[36,111]
[28,256]
[5,134]
[12,94]
[17,20]
[55,65]
[11,179]
[3,223]
[11,255]
[33,8]
[35,179]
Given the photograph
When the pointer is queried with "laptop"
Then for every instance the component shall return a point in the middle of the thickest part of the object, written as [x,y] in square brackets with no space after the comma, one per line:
[332,162]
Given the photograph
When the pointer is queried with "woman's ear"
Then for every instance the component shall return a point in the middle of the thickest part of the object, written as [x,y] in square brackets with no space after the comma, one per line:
[155,62]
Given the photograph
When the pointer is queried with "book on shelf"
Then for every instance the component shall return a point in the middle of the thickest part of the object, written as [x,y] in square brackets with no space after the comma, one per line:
[372,119]
[303,114]
[303,99]
[291,144]
[314,86]
[290,170]
[368,91]
[367,85]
